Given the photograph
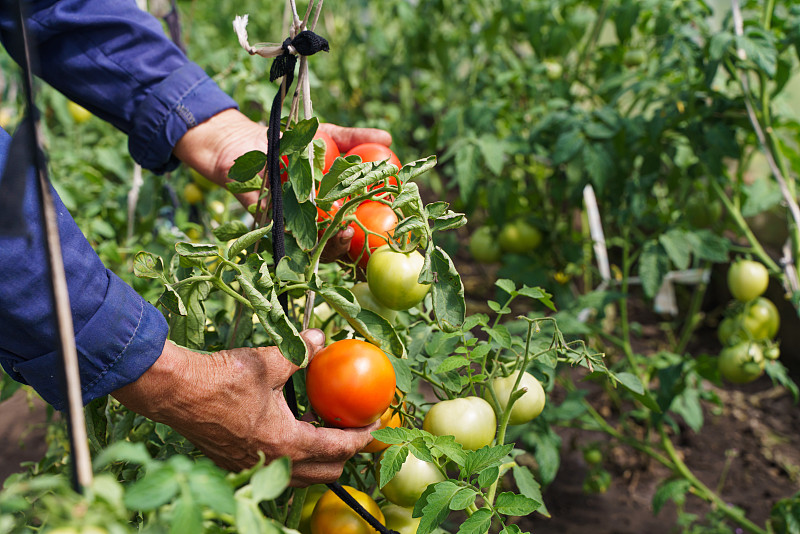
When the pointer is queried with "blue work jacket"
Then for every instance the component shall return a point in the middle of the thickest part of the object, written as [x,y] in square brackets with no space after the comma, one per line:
[116,61]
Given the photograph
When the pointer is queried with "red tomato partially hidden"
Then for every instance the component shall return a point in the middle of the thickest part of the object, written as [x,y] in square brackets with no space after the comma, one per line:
[350,383]
[391,418]
[331,150]
[376,217]
[376,152]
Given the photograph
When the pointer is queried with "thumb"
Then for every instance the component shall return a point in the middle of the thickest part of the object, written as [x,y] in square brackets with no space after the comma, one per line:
[315,340]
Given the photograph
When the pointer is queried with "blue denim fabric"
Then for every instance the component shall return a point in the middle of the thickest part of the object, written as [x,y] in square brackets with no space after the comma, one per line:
[115,60]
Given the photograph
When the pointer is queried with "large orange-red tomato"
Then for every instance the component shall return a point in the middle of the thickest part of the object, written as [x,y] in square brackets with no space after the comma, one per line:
[376,217]
[376,152]
[350,383]
[391,418]
[332,515]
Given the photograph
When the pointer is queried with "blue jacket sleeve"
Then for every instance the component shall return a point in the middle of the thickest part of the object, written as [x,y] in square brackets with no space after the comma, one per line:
[115,60]
[118,334]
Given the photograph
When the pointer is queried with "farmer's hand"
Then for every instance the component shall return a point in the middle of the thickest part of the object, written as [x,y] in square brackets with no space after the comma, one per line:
[230,405]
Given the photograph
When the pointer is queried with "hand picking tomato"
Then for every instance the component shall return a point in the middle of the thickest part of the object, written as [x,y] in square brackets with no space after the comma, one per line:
[376,217]
[747,279]
[368,301]
[519,237]
[400,519]
[528,406]
[350,383]
[470,420]
[741,363]
[407,486]
[333,516]
[392,278]
[483,245]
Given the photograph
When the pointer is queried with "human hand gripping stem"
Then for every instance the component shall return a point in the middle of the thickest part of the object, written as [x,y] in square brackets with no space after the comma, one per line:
[211,147]
[230,405]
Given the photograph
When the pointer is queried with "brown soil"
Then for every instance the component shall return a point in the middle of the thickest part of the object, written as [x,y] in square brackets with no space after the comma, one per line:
[22,432]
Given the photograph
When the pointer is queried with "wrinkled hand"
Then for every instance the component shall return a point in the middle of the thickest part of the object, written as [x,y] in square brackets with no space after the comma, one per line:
[230,405]
[211,148]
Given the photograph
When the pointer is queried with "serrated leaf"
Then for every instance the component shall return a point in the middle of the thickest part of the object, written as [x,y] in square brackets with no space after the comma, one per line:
[411,170]
[672,490]
[677,247]
[247,166]
[122,451]
[187,516]
[488,476]
[148,265]
[253,184]
[301,178]
[507,285]
[409,202]
[464,498]
[539,294]
[484,458]
[392,460]
[299,136]
[270,481]
[568,145]
[188,329]
[515,505]
[156,488]
[434,506]
[231,230]
[762,195]
[653,267]
[466,166]
[209,488]
[477,523]
[707,245]
[599,165]
[451,363]
[301,221]
[195,250]
[247,240]
[447,292]
[493,151]
[529,487]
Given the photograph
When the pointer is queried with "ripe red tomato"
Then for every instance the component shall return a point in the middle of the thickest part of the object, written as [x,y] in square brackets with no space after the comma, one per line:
[350,383]
[376,152]
[391,418]
[747,279]
[333,516]
[414,477]
[331,150]
[470,420]
[392,278]
[376,217]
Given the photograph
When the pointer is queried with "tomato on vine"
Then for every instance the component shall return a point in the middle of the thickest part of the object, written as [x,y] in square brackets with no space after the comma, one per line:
[528,406]
[350,383]
[376,217]
[368,301]
[392,278]
[484,246]
[413,478]
[741,363]
[333,516]
[400,519]
[391,418]
[376,152]
[519,237]
[470,420]
[747,279]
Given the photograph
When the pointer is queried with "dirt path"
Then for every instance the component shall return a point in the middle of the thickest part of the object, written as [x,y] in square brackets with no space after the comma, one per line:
[22,432]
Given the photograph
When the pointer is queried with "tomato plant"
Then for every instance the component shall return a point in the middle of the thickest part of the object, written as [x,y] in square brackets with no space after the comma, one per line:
[407,485]
[375,152]
[391,418]
[332,516]
[380,220]
[519,237]
[741,363]
[350,383]
[368,301]
[470,420]
[392,278]
[525,408]
[484,246]
[747,279]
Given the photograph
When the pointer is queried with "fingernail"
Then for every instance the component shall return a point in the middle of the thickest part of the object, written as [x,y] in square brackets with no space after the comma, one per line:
[315,338]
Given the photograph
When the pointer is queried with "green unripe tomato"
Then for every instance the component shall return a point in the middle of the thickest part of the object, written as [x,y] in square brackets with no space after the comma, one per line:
[392,278]
[399,519]
[553,69]
[519,237]
[470,420]
[312,497]
[773,352]
[528,406]
[592,456]
[78,113]
[368,301]
[747,280]
[741,363]
[408,485]
[484,247]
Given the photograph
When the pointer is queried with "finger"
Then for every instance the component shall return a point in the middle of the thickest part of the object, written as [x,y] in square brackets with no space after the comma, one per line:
[315,340]
[338,245]
[335,444]
[308,473]
[347,138]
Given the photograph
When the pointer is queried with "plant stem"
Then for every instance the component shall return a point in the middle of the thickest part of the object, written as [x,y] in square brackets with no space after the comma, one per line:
[692,315]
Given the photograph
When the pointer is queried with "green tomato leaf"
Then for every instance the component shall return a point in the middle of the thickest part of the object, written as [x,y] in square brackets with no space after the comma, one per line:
[122,451]
[485,458]
[529,487]
[494,152]
[301,178]
[392,460]
[270,481]
[231,230]
[466,163]
[189,329]
[249,518]
[488,476]
[157,487]
[187,516]
[411,170]
[195,250]
[477,523]
[568,145]
[677,247]
[707,245]
[447,292]
[247,166]
[434,505]
[148,265]
[299,136]
[246,241]
[670,490]
[515,505]
[253,184]
[409,201]
[653,266]
[463,499]
[451,363]
[301,220]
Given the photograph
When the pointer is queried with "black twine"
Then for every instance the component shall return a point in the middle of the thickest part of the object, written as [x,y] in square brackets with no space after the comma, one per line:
[306,43]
